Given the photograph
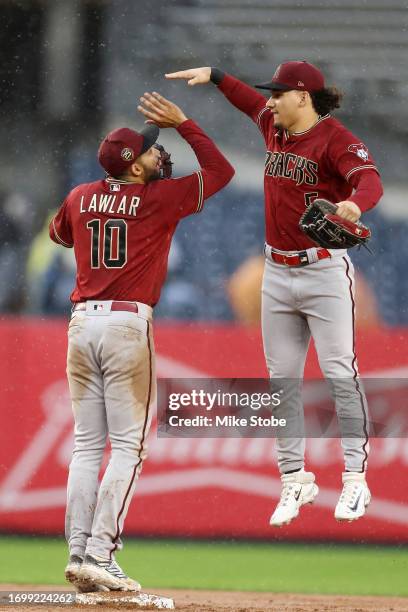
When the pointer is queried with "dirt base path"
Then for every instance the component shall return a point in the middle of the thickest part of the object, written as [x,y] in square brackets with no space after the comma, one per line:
[225,601]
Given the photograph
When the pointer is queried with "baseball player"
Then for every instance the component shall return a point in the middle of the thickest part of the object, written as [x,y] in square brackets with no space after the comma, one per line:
[307,291]
[121,228]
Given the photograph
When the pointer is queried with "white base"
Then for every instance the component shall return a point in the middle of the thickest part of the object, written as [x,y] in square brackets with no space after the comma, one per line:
[140,600]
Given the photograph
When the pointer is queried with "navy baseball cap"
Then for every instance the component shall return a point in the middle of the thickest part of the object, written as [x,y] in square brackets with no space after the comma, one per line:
[295,75]
[120,148]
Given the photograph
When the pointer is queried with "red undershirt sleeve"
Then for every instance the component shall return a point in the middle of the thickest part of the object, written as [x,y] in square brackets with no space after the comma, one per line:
[368,189]
[246,99]
[186,195]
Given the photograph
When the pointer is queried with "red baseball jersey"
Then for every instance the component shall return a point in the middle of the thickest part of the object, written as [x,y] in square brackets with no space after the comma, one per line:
[121,231]
[325,161]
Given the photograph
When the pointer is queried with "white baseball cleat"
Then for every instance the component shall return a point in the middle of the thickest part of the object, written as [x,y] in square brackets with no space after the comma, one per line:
[107,573]
[354,497]
[298,489]
[72,568]
[72,571]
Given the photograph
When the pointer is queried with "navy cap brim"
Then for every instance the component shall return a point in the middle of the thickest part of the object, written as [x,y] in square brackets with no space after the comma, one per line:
[274,86]
[150,134]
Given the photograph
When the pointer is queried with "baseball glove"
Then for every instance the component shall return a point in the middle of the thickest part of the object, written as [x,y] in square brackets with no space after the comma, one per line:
[326,229]
[166,167]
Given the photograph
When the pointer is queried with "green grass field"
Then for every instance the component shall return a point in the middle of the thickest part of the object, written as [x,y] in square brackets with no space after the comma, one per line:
[296,568]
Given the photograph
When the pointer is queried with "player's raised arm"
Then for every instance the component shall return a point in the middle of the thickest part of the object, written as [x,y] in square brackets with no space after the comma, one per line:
[216,171]
[242,96]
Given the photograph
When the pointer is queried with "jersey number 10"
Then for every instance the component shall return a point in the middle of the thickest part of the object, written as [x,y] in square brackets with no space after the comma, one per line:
[113,239]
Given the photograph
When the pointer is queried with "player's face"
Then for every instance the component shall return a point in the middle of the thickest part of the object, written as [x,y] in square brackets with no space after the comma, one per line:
[150,165]
[286,107]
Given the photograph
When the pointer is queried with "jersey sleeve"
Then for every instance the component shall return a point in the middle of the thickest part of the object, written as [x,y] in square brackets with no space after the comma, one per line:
[60,227]
[182,196]
[349,156]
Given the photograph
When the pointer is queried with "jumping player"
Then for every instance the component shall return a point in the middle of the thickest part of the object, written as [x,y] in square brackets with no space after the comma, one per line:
[307,291]
[121,229]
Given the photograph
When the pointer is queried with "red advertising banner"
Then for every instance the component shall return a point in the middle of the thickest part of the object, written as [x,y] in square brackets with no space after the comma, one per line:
[210,487]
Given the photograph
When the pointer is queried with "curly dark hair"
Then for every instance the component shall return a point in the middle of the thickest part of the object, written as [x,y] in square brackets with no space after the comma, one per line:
[326,100]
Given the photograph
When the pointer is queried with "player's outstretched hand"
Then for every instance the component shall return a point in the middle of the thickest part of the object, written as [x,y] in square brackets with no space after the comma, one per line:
[160,111]
[193,76]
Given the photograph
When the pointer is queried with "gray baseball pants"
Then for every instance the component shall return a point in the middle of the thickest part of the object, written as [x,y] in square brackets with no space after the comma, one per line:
[111,375]
[316,301]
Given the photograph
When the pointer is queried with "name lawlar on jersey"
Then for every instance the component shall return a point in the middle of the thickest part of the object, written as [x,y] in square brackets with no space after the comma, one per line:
[112,204]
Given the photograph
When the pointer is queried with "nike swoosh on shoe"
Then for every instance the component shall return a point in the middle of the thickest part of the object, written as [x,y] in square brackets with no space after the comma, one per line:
[354,507]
